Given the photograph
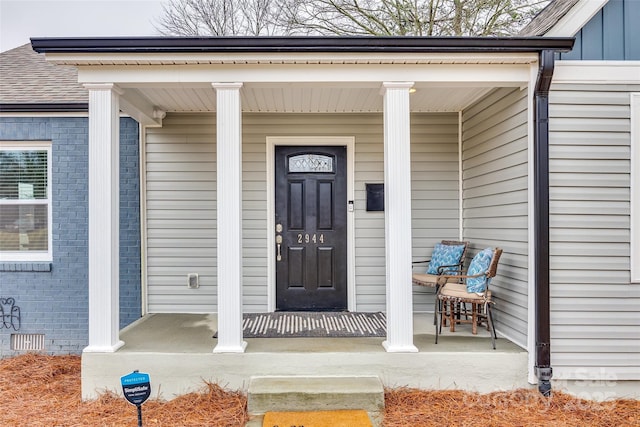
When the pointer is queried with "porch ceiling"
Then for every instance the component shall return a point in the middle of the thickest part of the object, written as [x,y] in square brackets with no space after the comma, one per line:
[307,98]
[298,82]
[308,74]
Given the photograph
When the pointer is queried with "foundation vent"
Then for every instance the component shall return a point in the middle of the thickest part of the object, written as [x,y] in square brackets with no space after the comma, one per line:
[27,342]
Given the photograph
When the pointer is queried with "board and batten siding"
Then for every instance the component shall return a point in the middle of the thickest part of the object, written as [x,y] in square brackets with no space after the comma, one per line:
[181,207]
[612,34]
[495,199]
[595,325]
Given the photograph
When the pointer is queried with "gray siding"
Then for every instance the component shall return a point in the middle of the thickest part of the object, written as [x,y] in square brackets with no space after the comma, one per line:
[181,213]
[495,199]
[612,34]
[594,308]
[434,190]
[181,184]
[435,213]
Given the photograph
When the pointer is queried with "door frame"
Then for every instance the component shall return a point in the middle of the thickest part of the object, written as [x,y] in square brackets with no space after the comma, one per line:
[272,142]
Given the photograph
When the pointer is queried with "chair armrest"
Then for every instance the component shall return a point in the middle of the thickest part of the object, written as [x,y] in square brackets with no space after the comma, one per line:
[464,276]
[421,261]
[453,267]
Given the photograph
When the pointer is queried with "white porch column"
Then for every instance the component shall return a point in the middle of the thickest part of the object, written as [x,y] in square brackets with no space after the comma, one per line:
[397,214]
[229,164]
[104,195]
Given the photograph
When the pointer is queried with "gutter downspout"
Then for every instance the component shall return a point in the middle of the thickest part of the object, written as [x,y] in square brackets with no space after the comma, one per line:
[543,369]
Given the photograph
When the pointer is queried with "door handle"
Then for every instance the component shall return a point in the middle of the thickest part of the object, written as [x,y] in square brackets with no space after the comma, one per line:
[279,244]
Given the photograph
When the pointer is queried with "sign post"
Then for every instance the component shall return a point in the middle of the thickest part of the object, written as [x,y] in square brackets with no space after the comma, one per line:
[137,389]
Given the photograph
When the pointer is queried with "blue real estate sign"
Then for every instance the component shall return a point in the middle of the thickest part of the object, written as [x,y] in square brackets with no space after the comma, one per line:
[136,387]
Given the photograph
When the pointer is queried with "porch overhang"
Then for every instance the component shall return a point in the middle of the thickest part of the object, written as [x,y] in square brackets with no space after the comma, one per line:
[160,74]
[342,74]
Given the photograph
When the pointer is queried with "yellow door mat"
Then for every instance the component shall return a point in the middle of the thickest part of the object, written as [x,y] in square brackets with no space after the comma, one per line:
[343,418]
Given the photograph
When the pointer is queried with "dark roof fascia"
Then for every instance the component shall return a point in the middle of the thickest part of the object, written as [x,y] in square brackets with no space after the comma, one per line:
[300,44]
[44,108]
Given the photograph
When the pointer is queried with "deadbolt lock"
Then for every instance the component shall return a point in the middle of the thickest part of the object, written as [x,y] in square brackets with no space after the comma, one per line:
[278,228]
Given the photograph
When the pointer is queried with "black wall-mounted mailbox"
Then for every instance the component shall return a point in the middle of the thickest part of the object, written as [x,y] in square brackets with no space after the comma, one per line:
[375,197]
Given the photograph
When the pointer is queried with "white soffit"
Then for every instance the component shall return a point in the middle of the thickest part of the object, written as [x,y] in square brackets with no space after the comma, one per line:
[310,99]
[288,58]
[304,82]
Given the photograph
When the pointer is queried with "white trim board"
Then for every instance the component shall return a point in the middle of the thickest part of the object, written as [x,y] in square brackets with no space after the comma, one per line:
[531,247]
[34,256]
[635,187]
[487,75]
[142,171]
[597,72]
[46,114]
[576,18]
[272,142]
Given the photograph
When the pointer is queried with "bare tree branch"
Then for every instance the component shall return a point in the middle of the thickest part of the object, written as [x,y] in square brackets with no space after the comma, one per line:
[220,18]
[347,17]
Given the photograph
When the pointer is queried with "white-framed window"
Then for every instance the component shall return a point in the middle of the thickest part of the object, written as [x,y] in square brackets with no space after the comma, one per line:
[25,201]
[635,188]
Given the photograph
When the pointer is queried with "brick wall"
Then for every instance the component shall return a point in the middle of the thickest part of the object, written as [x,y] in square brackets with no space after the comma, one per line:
[53,298]
[130,290]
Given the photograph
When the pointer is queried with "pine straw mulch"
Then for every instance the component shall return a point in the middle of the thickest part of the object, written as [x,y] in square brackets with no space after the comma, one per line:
[410,407]
[37,390]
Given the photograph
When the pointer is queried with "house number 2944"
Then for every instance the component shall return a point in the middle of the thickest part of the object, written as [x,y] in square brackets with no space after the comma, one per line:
[310,238]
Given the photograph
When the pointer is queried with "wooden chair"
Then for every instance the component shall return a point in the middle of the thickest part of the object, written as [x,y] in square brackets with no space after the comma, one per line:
[431,276]
[431,279]
[454,296]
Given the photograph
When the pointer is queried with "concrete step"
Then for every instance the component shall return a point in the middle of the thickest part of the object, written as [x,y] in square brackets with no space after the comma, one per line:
[293,393]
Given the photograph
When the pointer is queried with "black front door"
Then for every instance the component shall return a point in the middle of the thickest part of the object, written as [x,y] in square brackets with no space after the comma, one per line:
[311,228]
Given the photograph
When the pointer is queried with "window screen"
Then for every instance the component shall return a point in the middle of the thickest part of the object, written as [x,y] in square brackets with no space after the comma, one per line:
[24,200]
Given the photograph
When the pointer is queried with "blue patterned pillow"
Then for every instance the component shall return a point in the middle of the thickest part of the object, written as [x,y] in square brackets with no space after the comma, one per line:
[444,255]
[479,264]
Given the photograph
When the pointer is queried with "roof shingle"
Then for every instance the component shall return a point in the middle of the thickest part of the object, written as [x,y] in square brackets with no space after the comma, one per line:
[547,18]
[27,78]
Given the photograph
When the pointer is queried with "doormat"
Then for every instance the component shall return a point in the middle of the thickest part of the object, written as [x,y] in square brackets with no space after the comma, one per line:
[343,418]
[301,324]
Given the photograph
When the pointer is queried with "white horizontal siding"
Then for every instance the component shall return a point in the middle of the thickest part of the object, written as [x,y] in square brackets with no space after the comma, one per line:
[434,145]
[495,195]
[434,190]
[181,207]
[595,315]
[181,213]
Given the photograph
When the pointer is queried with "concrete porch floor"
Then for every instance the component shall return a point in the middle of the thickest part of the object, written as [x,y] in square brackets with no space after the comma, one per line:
[176,351]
